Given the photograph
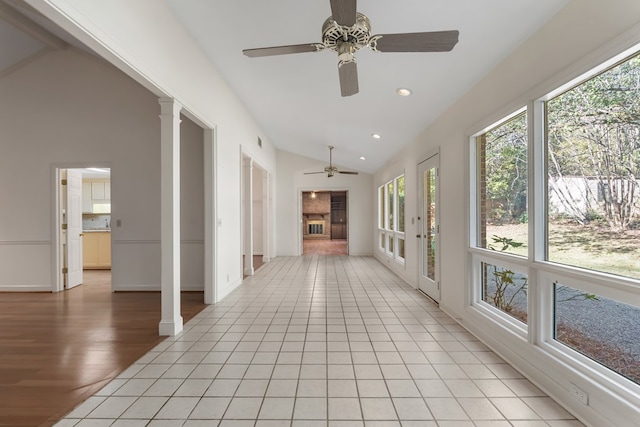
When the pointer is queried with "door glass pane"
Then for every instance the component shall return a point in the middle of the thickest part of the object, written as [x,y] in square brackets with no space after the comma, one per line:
[390,204]
[382,239]
[381,208]
[390,241]
[430,223]
[401,248]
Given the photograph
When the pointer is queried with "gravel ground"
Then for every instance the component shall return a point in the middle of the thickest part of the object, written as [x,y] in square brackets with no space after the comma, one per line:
[603,320]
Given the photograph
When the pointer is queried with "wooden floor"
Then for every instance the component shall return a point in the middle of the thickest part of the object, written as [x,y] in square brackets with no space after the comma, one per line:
[325,247]
[58,349]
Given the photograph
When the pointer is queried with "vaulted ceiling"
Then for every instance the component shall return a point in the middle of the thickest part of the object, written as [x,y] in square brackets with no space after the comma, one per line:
[296,98]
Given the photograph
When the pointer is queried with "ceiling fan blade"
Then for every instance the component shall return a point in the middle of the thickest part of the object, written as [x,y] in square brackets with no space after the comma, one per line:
[281,50]
[313,173]
[434,41]
[348,73]
[348,172]
[344,12]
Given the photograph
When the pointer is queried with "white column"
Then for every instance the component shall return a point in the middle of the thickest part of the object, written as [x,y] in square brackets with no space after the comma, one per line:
[266,217]
[247,171]
[171,320]
[210,217]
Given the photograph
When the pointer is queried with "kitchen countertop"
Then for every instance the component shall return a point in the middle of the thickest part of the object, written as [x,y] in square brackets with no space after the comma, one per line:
[103,230]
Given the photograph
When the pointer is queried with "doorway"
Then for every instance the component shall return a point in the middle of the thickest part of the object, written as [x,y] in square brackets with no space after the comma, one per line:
[429,227]
[83,221]
[256,219]
[325,225]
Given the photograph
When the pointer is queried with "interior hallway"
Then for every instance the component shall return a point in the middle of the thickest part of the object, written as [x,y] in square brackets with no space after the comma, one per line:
[57,349]
[321,341]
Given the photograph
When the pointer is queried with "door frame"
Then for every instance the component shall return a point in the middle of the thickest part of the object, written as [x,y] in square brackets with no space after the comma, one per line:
[247,214]
[432,156]
[57,255]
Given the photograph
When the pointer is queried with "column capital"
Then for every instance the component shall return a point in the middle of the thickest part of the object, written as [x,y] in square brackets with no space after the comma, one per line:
[169,107]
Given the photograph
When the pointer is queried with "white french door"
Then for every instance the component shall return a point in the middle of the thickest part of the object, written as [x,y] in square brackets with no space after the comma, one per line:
[74,228]
[429,227]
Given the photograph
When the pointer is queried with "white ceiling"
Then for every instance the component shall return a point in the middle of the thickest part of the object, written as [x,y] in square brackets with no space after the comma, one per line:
[296,98]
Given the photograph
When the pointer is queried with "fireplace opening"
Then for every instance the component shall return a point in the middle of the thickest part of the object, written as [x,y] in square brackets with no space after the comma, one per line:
[316,228]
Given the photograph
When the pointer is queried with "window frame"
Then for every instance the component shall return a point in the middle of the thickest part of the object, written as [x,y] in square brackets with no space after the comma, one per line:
[386,233]
[543,273]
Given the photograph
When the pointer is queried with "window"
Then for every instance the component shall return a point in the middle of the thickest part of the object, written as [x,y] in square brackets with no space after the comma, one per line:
[612,343]
[583,161]
[593,168]
[501,214]
[505,289]
[391,218]
[502,187]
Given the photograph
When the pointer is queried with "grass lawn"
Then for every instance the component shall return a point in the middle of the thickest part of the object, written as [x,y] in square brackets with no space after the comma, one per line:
[592,247]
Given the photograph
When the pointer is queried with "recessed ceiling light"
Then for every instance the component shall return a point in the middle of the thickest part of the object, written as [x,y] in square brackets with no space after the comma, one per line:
[375,136]
[362,158]
[403,91]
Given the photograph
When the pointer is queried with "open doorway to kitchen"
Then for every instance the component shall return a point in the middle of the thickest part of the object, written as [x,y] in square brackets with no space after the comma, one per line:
[83,224]
[325,224]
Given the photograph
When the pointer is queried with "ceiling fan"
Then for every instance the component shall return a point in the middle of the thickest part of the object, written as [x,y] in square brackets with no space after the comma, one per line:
[346,31]
[332,170]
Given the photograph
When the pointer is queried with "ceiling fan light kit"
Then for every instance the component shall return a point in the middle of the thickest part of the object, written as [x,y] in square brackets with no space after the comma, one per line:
[346,31]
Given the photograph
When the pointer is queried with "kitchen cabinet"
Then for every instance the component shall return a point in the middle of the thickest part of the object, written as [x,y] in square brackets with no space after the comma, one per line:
[86,197]
[96,250]
[97,190]
[96,196]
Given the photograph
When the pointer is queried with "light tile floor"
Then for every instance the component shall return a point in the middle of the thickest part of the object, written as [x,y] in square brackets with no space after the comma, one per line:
[329,341]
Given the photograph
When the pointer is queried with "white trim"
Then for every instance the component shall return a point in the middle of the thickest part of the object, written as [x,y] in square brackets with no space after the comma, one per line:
[210,142]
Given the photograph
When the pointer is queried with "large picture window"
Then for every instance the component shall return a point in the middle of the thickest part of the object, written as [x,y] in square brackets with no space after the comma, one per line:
[576,175]
[593,168]
[391,218]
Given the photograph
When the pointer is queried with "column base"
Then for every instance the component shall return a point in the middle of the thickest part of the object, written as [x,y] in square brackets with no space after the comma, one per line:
[248,271]
[170,328]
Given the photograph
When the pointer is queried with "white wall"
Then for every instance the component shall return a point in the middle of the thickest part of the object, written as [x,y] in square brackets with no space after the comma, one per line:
[568,45]
[291,180]
[67,107]
[168,63]
[191,205]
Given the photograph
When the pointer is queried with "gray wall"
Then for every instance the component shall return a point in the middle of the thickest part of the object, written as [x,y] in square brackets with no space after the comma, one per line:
[69,108]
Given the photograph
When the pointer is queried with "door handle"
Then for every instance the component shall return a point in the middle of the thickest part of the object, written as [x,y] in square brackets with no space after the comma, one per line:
[81,234]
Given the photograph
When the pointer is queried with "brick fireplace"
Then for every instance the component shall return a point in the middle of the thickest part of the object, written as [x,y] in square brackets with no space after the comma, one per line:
[316,215]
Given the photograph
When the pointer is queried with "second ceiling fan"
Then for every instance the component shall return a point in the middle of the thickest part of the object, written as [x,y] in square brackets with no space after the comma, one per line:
[346,31]
[332,170]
